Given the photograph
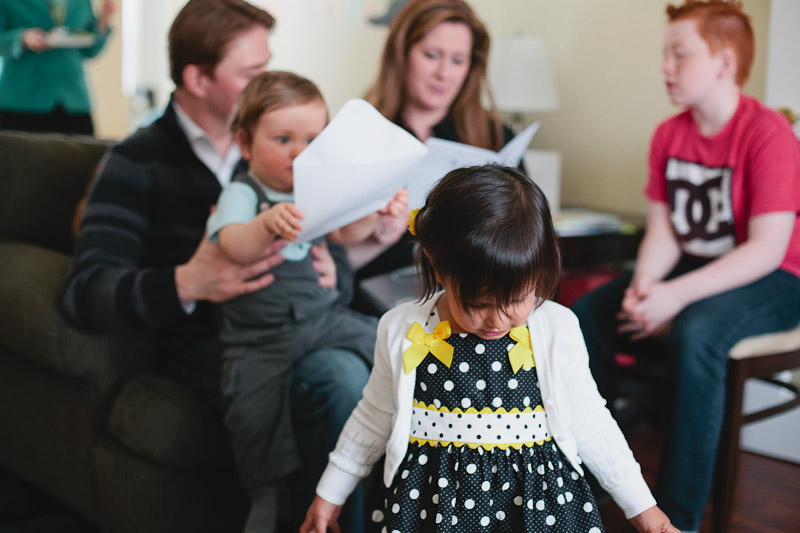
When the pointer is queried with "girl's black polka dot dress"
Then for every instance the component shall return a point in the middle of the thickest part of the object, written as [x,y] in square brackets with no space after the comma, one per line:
[480,457]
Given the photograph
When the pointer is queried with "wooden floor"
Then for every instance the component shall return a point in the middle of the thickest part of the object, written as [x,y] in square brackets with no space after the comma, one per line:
[767,496]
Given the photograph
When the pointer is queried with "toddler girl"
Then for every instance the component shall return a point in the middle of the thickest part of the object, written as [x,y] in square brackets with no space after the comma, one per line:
[265,333]
[481,396]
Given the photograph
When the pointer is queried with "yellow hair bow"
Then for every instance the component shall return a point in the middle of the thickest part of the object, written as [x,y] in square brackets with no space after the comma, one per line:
[521,355]
[427,342]
[412,216]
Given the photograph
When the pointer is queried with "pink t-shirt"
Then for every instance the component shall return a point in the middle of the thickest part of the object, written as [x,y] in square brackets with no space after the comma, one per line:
[714,185]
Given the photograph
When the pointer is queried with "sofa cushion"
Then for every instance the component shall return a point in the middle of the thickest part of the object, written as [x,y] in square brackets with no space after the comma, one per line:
[170,424]
[44,176]
[32,325]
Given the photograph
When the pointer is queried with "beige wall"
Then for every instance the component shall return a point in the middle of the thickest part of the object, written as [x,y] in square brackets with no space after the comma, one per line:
[104,75]
[606,55]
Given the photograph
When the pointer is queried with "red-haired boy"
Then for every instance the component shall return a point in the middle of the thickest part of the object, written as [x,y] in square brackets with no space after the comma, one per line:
[720,260]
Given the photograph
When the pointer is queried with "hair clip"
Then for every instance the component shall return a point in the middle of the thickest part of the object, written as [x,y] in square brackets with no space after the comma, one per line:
[412,216]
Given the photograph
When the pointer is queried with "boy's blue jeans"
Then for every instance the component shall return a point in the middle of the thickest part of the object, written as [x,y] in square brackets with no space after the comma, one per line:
[695,352]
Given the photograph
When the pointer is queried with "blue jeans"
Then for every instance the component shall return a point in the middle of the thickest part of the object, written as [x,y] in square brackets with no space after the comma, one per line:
[326,386]
[695,352]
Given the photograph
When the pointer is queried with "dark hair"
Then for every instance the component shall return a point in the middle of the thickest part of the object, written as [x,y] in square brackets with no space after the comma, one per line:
[488,228]
[267,92]
[203,29]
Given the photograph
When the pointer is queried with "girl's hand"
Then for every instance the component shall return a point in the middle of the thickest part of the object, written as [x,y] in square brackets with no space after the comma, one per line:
[34,40]
[321,516]
[283,220]
[653,520]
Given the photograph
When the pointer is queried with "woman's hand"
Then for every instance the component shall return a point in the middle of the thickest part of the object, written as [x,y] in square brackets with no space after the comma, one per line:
[107,10]
[653,520]
[283,220]
[322,261]
[321,516]
[34,40]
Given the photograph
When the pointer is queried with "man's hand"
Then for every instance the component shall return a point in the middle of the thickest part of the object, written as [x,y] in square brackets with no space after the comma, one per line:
[34,40]
[323,263]
[653,520]
[209,275]
[283,220]
[321,516]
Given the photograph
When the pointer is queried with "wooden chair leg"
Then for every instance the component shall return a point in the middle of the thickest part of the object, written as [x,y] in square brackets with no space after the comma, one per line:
[728,453]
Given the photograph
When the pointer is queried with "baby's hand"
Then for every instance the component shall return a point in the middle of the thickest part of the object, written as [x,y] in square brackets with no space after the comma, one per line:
[283,220]
[398,205]
[653,520]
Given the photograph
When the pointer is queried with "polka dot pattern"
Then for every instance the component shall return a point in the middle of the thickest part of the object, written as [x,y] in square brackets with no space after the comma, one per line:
[461,488]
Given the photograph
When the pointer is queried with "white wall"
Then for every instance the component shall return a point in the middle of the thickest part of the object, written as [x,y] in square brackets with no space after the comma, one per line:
[783,63]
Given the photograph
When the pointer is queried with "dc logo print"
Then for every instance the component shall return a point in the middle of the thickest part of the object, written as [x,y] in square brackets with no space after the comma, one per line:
[702,214]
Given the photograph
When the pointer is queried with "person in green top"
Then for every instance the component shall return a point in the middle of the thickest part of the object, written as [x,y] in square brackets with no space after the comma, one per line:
[43,44]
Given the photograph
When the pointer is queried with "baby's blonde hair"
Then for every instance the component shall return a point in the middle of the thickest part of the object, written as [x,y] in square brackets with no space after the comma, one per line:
[267,92]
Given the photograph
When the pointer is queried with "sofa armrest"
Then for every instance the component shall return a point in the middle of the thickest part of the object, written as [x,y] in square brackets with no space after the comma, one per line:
[33,326]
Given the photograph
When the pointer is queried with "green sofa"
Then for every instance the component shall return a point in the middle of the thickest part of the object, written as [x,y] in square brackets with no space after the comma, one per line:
[84,417]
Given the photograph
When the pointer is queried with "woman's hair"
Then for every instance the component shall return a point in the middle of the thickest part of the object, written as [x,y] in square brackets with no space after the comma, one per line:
[267,92]
[474,125]
[488,229]
[722,24]
[203,29]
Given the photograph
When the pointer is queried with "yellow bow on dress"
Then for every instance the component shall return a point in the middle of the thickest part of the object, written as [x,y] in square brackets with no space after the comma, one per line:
[521,355]
[427,342]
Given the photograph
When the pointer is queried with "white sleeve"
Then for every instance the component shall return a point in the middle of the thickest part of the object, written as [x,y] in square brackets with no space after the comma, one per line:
[600,442]
[364,436]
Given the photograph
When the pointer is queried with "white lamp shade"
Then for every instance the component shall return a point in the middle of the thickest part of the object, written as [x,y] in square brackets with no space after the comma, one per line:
[520,75]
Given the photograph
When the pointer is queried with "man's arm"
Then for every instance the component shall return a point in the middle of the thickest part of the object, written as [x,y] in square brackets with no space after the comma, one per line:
[133,269]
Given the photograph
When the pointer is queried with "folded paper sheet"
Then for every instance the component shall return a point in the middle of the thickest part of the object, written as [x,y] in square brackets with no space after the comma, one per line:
[443,156]
[358,162]
[352,168]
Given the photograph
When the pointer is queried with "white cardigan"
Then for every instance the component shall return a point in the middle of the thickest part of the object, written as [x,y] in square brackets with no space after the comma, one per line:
[576,413]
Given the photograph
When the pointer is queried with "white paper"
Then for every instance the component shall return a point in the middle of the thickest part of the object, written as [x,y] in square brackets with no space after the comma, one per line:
[61,37]
[352,168]
[360,160]
[444,156]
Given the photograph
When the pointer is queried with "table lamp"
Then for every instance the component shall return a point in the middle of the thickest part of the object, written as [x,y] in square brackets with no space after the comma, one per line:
[520,77]
[522,82]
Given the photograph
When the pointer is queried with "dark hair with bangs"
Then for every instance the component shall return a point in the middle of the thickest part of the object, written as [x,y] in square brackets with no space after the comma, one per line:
[489,230]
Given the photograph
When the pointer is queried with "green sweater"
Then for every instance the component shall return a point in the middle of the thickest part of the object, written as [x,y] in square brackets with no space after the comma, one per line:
[38,82]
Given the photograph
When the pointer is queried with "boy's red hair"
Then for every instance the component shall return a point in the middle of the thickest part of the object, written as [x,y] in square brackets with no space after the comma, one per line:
[722,23]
